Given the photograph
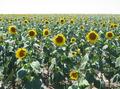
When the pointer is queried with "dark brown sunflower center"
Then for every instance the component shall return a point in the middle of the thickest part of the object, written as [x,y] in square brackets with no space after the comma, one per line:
[112,26]
[31,33]
[103,25]
[62,21]
[115,25]
[74,75]
[110,35]
[46,22]
[22,53]
[92,36]
[81,27]
[73,53]
[59,39]
[13,29]
[25,21]
[73,39]
[71,21]
[46,32]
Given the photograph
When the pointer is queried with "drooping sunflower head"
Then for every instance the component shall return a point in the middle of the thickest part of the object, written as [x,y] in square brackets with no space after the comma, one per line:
[59,39]
[109,35]
[46,32]
[74,75]
[12,29]
[21,53]
[73,40]
[32,33]
[92,37]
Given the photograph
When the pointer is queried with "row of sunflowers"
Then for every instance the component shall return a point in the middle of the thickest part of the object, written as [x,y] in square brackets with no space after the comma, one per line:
[59,52]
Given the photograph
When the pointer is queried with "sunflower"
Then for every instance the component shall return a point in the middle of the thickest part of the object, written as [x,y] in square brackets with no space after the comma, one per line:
[46,21]
[115,25]
[82,27]
[62,20]
[12,29]
[92,37]
[109,35]
[73,40]
[74,54]
[59,39]
[26,21]
[32,33]
[21,53]
[45,32]
[73,75]
[71,21]
[112,25]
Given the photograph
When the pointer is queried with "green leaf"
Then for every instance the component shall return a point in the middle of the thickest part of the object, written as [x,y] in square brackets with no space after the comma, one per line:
[84,61]
[36,66]
[21,73]
[83,82]
[117,63]
[53,62]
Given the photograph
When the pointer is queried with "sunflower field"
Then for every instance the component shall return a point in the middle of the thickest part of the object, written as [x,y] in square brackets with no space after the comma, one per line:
[59,51]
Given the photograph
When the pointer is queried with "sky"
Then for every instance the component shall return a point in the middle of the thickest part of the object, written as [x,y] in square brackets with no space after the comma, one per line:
[59,6]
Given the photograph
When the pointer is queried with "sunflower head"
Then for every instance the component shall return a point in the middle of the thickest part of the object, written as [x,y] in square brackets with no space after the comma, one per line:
[112,25]
[71,21]
[92,37]
[59,39]
[109,35]
[62,20]
[45,32]
[82,27]
[73,75]
[21,53]
[12,29]
[73,40]
[74,54]
[32,33]
[46,21]
[115,25]
[26,21]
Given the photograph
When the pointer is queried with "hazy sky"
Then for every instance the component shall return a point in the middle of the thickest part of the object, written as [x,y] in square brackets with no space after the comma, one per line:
[60,6]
